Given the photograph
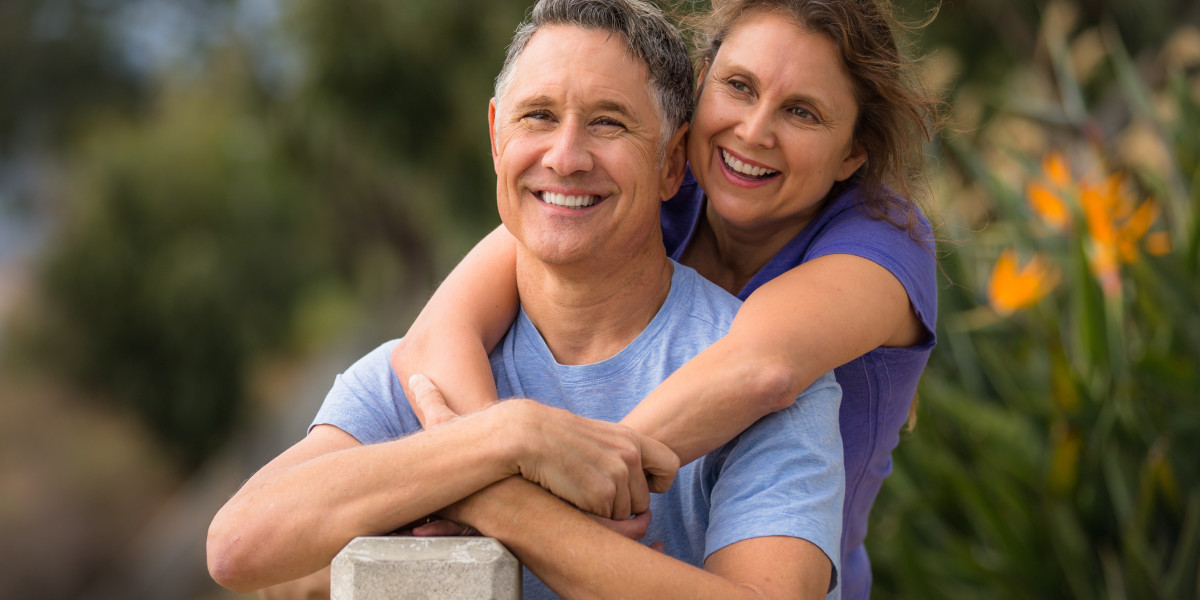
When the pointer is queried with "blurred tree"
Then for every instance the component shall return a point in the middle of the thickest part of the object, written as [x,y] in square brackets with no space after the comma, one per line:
[411,81]
[193,236]
[186,246]
[59,66]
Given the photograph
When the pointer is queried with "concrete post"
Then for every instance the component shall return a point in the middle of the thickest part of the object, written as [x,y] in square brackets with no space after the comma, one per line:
[415,568]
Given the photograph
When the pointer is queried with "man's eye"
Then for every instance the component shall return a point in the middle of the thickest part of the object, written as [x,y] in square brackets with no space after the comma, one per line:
[609,122]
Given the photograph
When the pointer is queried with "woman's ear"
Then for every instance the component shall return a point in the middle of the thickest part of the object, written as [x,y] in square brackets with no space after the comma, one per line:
[700,73]
[856,158]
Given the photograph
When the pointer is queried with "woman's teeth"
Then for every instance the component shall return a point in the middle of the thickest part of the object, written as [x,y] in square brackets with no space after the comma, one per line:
[569,201]
[742,168]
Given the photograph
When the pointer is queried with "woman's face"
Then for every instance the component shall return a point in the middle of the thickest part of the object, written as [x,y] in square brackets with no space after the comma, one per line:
[774,125]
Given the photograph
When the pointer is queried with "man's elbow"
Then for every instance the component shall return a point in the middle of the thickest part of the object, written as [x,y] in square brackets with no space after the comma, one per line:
[228,560]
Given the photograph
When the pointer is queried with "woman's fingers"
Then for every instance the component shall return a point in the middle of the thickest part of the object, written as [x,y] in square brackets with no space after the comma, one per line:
[429,401]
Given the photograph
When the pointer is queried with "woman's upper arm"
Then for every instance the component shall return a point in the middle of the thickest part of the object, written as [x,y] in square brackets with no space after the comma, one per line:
[790,331]
[827,312]
[450,340]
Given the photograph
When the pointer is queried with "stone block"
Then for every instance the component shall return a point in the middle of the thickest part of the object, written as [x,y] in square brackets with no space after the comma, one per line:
[415,568]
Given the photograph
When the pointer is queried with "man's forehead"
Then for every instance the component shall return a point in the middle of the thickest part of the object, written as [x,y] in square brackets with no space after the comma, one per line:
[559,57]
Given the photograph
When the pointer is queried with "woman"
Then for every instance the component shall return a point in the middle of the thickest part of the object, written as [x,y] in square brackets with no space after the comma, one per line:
[805,132]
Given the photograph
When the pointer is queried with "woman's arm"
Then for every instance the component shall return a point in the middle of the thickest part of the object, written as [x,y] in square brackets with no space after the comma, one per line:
[817,316]
[450,340]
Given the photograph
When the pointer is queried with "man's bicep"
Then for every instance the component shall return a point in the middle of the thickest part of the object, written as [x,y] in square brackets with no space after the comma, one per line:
[784,479]
[774,566]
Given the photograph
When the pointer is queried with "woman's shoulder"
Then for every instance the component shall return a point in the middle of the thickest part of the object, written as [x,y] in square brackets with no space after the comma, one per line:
[849,214]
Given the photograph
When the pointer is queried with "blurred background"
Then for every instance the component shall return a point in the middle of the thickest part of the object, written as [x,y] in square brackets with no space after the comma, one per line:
[208,208]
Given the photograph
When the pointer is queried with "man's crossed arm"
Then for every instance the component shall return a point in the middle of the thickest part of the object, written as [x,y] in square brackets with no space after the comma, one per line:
[299,510]
[581,557]
[295,514]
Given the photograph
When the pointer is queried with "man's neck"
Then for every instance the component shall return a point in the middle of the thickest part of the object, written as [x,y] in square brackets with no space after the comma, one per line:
[589,312]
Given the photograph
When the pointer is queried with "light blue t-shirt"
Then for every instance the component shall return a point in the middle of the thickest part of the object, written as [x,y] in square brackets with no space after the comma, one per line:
[781,477]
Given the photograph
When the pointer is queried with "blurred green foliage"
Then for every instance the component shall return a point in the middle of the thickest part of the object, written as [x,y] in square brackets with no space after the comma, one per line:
[1056,452]
[189,242]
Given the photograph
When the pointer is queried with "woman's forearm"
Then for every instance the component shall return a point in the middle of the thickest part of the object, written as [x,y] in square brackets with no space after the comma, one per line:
[467,316]
[714,397]
[790,331]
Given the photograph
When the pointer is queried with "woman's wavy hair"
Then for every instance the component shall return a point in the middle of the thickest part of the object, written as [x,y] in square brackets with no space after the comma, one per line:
[896,115]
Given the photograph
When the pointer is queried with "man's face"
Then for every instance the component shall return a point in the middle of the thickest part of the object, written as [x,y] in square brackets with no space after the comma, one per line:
[575,148]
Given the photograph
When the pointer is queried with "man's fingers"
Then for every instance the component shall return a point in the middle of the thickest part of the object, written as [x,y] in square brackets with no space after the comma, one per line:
[620,506]
[639,491]
[660,464]
[430,401]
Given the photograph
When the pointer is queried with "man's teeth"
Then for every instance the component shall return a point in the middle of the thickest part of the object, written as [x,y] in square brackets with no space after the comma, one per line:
[569,201]
[743,168]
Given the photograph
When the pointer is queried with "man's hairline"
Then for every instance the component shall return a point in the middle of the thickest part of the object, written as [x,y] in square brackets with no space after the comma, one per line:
[665,130]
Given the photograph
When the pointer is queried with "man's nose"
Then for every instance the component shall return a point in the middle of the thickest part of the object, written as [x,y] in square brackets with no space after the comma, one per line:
[568,152]
[757,127]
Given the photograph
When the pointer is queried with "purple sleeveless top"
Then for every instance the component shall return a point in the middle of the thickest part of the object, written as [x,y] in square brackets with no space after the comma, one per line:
[877,388]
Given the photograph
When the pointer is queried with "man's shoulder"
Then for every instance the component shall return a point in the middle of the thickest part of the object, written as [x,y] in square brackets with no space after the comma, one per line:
[702,300]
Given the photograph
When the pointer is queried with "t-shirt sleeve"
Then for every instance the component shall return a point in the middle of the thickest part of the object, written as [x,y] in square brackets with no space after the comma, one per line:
[913,262]
[784,476]
[368,402]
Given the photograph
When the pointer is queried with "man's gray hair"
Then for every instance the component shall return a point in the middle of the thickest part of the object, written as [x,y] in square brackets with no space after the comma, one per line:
[648,35]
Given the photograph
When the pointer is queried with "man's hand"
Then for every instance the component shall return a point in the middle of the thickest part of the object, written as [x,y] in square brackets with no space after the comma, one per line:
[606,469]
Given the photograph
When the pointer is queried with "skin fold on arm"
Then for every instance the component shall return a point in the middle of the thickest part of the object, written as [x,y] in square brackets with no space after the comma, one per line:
[815,317]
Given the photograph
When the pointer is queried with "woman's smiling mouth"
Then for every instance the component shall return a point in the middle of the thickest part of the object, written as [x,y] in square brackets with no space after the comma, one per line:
[744,170]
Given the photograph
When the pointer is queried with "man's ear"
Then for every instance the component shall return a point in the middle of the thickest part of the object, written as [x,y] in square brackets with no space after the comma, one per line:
[855,159]
[674,163]
[492,135]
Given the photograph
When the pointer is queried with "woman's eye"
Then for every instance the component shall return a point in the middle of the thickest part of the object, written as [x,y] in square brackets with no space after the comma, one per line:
[802,113]
[739,86]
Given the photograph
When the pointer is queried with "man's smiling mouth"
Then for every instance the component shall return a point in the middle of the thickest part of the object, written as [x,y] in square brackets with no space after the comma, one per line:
[568,201]
[744,170]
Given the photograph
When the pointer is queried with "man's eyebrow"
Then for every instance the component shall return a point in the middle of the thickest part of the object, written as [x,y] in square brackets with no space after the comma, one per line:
[535,102]
[616,107]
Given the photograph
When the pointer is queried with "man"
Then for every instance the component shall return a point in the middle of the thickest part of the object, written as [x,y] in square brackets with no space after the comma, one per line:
[587,131]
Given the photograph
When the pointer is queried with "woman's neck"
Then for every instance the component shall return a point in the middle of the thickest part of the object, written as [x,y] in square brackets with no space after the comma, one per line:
[730,257]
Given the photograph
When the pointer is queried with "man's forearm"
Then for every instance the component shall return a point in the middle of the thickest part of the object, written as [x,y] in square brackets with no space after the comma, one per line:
[298,511]
[579,558]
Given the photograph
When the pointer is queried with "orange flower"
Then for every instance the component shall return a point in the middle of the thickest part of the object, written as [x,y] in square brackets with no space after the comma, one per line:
[1011,289]
[1054,165]
[1046,200]
[1158,243]
[1116,223]
[1048,205]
